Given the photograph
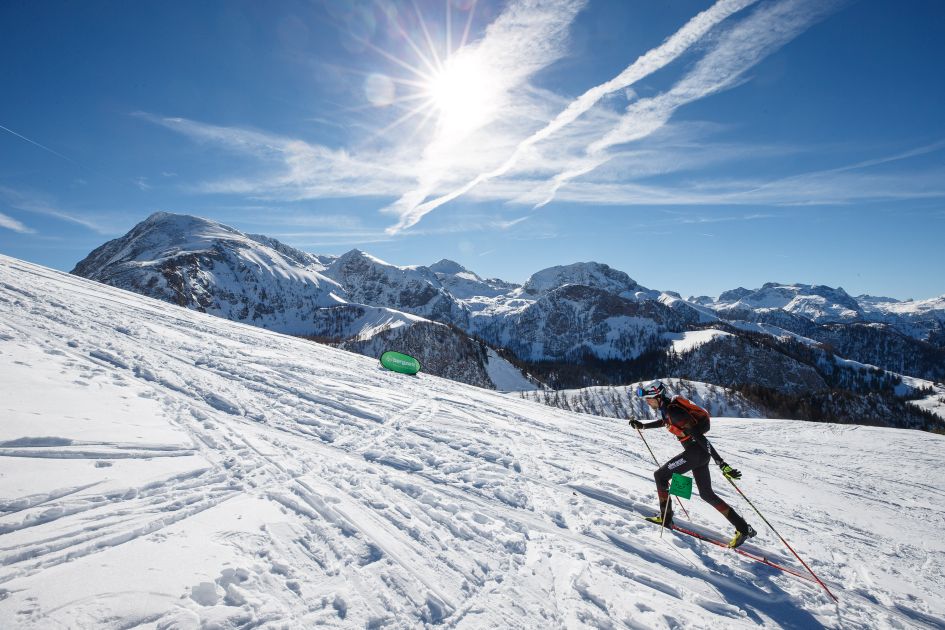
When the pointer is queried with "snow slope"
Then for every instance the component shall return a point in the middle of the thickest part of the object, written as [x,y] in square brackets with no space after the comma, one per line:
[691,339]
[505,376]
[162,468]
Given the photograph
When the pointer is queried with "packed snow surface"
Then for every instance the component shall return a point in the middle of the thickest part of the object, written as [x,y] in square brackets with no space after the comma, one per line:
[161,468]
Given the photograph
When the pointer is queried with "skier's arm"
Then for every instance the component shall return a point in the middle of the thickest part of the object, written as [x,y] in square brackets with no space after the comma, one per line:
[728,471]
[636,424]
[714,453]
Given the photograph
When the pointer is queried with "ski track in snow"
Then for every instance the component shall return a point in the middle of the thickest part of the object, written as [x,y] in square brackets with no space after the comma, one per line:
[162,468]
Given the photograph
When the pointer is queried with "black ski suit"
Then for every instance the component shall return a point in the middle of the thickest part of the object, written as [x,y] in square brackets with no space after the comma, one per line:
[695,457]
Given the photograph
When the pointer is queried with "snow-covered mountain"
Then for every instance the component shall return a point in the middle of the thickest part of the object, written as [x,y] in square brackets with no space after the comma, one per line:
[574,320]
[590,274]
[216,269]
[824,305]
[213,268]
[919,318]
[904,337]
[369,280]
[562,312]
[565,315]
[465,284]
[163,468]
[816,303]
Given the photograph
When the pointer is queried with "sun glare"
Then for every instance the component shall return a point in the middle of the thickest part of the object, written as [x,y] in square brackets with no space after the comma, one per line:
[462,92]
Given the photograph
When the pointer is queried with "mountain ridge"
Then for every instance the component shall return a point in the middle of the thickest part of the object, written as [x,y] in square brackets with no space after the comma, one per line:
[579,314]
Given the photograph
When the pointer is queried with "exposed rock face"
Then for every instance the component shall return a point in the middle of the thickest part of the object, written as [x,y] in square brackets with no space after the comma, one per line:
[734,295]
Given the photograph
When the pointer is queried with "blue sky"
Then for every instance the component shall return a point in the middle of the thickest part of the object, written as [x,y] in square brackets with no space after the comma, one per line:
[697,146]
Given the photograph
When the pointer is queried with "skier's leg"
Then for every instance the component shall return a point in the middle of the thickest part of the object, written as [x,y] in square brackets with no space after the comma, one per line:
[663,474]
[704,483]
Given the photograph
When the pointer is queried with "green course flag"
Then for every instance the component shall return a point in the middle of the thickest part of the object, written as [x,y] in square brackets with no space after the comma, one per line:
[403,363]
[681,486]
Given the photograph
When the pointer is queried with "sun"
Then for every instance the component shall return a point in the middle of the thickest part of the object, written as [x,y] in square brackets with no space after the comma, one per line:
[457,89]
[462,92]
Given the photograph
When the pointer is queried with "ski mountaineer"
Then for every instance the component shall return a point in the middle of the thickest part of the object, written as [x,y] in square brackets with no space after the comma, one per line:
[682,418]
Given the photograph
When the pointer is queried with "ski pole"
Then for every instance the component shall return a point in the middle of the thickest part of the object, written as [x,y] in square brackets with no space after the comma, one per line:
[782,539]
[663,518]
[656,461]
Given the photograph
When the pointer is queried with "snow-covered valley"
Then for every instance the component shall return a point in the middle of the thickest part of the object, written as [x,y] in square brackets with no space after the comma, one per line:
[163,468]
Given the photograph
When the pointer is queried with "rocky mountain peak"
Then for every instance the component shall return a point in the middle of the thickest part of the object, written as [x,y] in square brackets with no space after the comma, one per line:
[734,295]
[590,274]
[817,303]
[450,267]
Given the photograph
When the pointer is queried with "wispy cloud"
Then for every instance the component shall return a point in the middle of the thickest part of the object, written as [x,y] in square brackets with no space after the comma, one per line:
[820,188]
[528,36]
[280,217]
[541,146]
[703,220]
[36,203]
[300,170]
[345,235]
[10,223]
[654,60]
[736,51]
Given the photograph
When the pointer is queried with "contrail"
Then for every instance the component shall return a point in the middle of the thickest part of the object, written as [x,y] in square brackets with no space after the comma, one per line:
[61,156]
[41,146]
[650,62]
[722,68]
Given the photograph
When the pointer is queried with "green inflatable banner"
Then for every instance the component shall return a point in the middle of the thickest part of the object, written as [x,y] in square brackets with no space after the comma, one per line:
[681,486]
[403,363]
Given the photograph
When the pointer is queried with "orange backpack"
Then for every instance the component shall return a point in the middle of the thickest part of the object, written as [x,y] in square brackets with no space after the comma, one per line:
[699,415]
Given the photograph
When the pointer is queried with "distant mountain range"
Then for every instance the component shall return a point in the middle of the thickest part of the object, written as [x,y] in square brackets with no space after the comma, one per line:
[577,325]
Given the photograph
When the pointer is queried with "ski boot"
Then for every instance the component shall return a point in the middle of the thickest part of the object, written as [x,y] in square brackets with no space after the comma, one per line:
[741,537]
[658,519]
[665,517]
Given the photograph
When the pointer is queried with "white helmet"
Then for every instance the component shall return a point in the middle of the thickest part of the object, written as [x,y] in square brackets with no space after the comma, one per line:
[653,390]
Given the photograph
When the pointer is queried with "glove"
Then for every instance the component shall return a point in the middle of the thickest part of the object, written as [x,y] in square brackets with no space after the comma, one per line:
[729,472]
[636,424]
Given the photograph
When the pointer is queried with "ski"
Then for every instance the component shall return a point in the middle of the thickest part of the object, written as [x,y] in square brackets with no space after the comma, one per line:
[738,550]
